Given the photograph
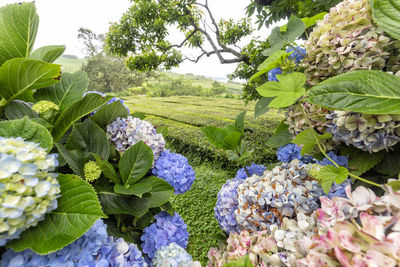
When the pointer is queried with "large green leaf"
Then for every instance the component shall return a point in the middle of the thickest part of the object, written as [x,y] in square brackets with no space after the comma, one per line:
[239,122]
[286,91]
[28,130]
[372,92]
[215,136]
[69,90]
[74,112]
[107,169]
[390,164]
[281,137]
[89,137]
[361,161]
[262,106]
[308,139]
[19,75]
[295,28]
[136,189]
[78,209]
[387,14]
[329,174]
[18,109]
[18,29]
[74,159]
[48,53]
[135,163]
[161,190]
[110,113]
[113,203]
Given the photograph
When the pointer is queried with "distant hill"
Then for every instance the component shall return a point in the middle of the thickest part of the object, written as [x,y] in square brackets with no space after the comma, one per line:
[71,63]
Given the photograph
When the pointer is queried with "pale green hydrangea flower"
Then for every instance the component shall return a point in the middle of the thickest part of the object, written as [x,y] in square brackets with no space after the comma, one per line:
[43,106]
[92,171]
[27,188]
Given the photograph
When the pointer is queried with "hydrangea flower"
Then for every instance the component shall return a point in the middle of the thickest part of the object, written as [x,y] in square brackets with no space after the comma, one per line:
[252,169]
[165,230]
[125,132]
[114,99]
[27,188]
[290,152]
[175,169]
[172,255]
[348,39]
[92,171]
[360,230]
[43,106]
[367,132]
[298,54]
[94,248]
[283,192]
[272,74]
[227,198]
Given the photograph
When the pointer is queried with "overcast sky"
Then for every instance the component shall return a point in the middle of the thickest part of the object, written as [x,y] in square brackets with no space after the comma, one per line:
[61,19]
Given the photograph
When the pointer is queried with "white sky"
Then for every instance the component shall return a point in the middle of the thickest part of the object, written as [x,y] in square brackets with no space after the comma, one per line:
[61,19]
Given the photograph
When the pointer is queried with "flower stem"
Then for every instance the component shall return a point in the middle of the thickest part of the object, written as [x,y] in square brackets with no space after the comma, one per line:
[297,50]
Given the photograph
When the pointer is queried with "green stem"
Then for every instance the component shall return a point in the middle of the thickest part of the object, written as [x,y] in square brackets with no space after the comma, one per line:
[247,172]
[297,50]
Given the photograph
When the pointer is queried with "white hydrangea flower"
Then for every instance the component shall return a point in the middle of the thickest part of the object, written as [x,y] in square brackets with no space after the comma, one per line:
[125,132]
[27,189]
[173,255]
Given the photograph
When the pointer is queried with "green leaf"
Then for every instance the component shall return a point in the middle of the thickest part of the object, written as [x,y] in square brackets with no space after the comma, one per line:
[387,14]
[215,136]
[313,20]
[233,140]
[139,115]
[113,203]
[168,208]
[361,161]
[28,130]
[89,137]
[48,53]
[395,185]
[69,90]
[239,122]
[329,174]
[272,60]
[20,75]
[137,189]
[18,28]
[107,169]
[281,137]
[295,28]
[286,91]
[110,113]
[161,190]
[390,164]
[308,139]
[78,209]
[372,92]
[74,112]
[18,109]
[135,163]
[242,262]
[74,160]
[262,106]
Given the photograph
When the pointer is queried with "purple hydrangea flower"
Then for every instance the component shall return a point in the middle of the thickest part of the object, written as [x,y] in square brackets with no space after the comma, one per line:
[165,230]
[298,55]
[340,160]
[94,248]
[290,152]
[175,169]
[252,169]
[272,74]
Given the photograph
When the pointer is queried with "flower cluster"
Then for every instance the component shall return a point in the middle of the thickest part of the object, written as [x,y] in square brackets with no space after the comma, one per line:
[290,152]
[125,132]
[272,74]
[43,106]
[285,191]
[360,230]
[172,255]
[227,198]
[92,171]
[347,39]
[175,169]
[298,53]
[296,57]
[27,188]
[114,99]
[94,248]
[165,230]
[366,132]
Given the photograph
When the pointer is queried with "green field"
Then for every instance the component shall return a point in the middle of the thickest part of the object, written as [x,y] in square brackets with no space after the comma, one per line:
[184,116]
[70,64]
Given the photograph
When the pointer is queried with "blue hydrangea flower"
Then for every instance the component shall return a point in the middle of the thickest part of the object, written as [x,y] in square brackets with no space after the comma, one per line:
[272,74]
[340,160]
[175,169]
[252,169]
[172,255]
[165,230]
[94,248]
[298,55]
[290,152]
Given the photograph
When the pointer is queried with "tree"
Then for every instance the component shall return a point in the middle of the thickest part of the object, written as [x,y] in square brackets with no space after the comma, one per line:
[93,42]
[141,34]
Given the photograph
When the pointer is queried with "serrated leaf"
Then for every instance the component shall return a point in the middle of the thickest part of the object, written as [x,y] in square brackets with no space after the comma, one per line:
[137,189]
[48,53]
[281,137]
[69,90]
[18,28]
[20,75]
[295,28]
[78,209]
[19,109]
[135,163]
[286,91]
[271,61]
[232,140]
[329,174]
[262,106]
[372,92]
[109,113]
[74,160]
[215,136]
[28,130]
[161,190]
[308,139]
[89,137]
[74,112]
[107,169]
[113,203]
[387,15]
